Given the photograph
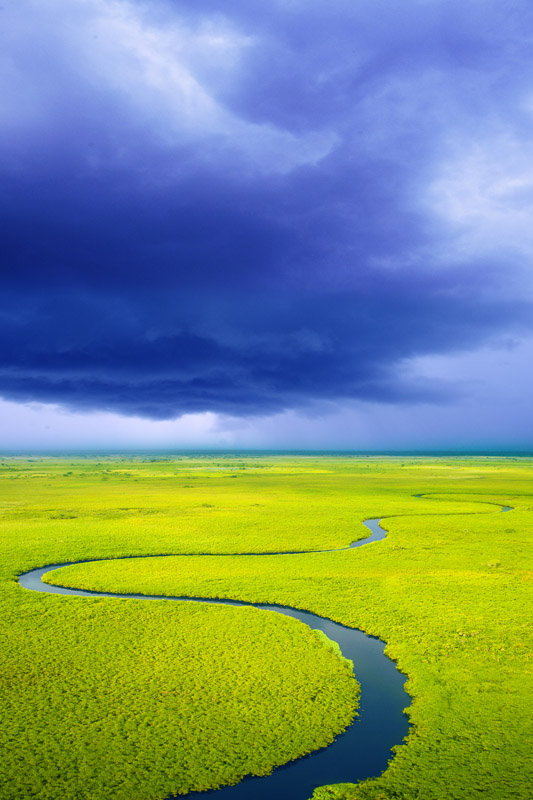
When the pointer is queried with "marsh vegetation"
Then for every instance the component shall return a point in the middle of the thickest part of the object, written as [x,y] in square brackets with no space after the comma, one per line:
[94,691]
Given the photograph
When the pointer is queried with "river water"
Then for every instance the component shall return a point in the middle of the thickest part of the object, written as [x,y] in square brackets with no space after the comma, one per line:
[363,750]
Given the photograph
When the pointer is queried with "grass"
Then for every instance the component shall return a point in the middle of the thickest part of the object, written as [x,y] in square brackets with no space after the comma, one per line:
[93,685]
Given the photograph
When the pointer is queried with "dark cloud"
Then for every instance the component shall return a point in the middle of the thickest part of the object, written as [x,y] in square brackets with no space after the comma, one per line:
[230,208]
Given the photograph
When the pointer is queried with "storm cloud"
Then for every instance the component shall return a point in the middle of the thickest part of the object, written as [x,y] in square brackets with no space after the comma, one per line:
[246,207]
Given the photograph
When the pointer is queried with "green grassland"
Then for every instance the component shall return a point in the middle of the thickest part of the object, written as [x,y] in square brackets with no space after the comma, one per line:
[95,689]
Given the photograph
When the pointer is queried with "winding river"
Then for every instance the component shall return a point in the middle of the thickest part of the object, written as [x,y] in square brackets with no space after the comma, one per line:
[364,749]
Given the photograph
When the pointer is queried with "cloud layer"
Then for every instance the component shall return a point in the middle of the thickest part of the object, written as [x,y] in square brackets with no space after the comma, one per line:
[245,208]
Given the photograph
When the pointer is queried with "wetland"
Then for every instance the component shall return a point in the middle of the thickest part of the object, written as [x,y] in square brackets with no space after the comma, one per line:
[104,695]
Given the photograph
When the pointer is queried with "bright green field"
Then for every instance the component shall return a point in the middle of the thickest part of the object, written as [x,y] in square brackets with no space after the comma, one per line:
[96,688]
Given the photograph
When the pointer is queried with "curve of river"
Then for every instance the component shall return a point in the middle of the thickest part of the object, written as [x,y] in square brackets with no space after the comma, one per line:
[364,749]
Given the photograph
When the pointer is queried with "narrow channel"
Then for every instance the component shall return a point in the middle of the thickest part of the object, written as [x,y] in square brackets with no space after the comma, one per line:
[363,750]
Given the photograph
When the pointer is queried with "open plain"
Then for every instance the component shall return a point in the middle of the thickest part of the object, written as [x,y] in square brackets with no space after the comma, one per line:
[134,700]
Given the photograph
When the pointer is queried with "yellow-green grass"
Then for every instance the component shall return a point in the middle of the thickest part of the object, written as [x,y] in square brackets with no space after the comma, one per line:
[447,590]
[132,700]
[126,699]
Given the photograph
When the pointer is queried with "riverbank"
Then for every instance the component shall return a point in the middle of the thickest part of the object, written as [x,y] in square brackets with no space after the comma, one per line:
[446,589]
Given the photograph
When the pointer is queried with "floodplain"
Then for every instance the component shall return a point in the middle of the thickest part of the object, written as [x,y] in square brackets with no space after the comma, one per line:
[136,701]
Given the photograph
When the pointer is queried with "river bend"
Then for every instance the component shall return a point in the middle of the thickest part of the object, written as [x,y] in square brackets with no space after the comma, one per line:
[363,750]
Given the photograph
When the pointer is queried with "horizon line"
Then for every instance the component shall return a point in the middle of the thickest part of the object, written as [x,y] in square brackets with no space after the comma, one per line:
[243,451]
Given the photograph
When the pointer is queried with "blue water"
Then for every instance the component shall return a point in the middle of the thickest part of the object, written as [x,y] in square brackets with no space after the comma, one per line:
[363,750]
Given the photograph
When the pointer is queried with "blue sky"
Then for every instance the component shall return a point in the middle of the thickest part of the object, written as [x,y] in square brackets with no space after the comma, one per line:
[282,224]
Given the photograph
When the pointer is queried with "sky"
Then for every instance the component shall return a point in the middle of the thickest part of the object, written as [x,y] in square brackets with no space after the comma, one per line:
[284,224]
